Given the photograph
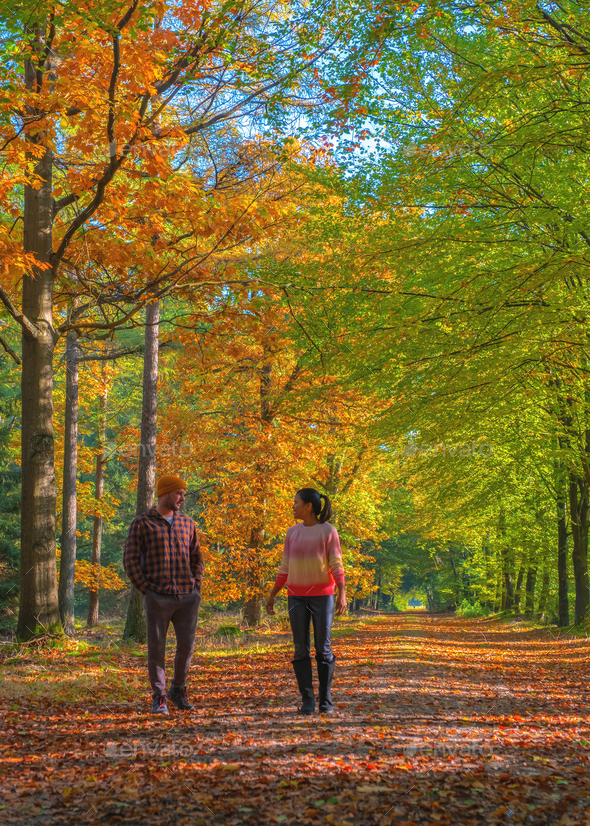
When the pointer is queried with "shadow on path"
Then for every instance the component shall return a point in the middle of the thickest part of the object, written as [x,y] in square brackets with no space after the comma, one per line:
[440,721]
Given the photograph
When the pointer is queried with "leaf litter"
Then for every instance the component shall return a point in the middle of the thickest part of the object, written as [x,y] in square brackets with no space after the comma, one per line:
[440,721]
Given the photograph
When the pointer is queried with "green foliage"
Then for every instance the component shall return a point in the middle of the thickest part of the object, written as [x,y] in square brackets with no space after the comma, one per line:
[228,631]
[468,610]
[413,595]
[439,270]
[461,244]
[10,478]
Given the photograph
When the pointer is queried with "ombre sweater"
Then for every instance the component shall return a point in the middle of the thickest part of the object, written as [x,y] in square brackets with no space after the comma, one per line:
[312,560]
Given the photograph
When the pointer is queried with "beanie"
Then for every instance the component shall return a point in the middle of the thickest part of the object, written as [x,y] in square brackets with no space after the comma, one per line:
[166,484]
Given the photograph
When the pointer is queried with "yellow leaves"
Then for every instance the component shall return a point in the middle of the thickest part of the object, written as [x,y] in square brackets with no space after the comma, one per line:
[14,262]
[102,576]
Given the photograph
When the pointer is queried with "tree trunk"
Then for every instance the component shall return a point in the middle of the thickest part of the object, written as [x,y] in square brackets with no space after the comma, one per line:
[98,494]
[135,627]
[488,602]
[67,567]
[430,598]
[452,559]
[498,595]
[544,596]
[508,596]
[39,604]
[507,565]
[564,612]
[578,500]
[531,579]
[519,581]
[251,611]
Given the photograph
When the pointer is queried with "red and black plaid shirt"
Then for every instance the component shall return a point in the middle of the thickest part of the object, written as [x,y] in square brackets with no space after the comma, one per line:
[163,557]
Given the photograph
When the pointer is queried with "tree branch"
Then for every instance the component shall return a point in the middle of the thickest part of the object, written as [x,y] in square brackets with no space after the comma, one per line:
[64,202]
[113,167]
[18,316]
[9,350]
[112,355]
[561,28]
[127,17]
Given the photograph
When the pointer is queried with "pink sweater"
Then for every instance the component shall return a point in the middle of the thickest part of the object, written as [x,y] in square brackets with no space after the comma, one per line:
[312,560]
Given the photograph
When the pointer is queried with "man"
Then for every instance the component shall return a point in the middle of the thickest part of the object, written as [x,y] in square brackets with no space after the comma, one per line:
[163,560]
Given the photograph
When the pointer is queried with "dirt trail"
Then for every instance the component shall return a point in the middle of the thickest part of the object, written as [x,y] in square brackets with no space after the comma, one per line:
[440,721]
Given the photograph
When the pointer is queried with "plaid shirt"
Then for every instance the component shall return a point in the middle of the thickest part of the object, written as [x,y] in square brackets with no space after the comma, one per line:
[163,557]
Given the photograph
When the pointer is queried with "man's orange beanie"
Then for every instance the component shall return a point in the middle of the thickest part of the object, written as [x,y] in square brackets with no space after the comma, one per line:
[166,484]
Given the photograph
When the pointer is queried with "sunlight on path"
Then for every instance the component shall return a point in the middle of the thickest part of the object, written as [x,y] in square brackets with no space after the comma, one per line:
[440,721]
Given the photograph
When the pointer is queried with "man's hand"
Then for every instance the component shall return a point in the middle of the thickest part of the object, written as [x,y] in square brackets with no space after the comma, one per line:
[341,600]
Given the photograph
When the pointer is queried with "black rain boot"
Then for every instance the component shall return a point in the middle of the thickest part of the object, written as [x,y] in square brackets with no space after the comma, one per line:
[325,674]
[304,676]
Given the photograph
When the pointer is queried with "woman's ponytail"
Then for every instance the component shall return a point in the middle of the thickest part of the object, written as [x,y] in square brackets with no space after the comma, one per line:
[326,512]
[311,495]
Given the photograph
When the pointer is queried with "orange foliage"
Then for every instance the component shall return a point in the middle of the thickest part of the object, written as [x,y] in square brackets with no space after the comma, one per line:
[88,575]
[146,196]
[106,576]
[257,426]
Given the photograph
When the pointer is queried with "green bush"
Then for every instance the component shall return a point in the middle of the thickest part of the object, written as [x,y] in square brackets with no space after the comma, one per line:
[467,610]
[228,631]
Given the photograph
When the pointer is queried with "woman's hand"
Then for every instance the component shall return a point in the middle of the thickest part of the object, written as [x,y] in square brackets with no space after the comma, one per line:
[270,605]
[341,600]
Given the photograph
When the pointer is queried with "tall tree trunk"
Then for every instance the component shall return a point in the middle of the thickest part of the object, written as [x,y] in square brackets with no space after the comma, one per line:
[98,494]
[67,567]
[531,579]
[564,611]
[489,582]
[498,596]
[544,596]
[566,495]
[254,573]
[135,627]
[466,579]
[508,583]
[252,609]
[578,500]
[507,565]
[560,475]
[39,604]
[452,560]
[518,592]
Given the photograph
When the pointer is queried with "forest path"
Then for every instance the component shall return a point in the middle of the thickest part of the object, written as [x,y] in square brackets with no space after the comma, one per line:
[440,721]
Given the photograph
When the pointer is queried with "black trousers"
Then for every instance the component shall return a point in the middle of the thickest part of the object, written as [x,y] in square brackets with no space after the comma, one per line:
[303,611]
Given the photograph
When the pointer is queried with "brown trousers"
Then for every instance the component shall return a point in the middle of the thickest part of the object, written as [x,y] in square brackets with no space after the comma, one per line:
[161,610]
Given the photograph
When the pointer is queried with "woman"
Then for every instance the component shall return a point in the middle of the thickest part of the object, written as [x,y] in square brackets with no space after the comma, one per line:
[312,564]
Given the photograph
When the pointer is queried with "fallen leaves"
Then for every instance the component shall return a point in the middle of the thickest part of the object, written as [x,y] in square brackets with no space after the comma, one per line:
[440,737]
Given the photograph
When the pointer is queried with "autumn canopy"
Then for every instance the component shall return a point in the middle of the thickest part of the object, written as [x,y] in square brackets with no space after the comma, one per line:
[271,245]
